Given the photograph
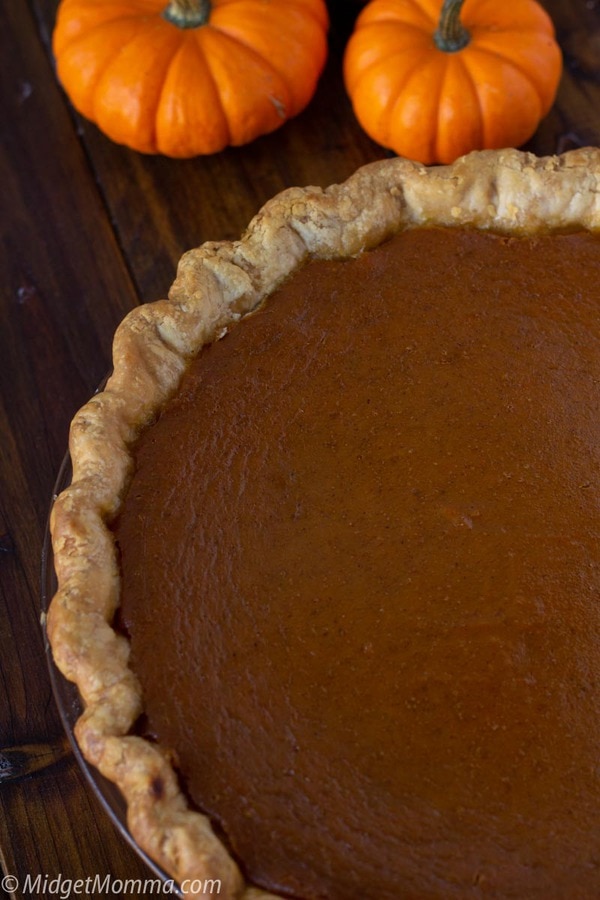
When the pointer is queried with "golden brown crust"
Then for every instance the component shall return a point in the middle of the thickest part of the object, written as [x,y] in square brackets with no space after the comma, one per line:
[216,285]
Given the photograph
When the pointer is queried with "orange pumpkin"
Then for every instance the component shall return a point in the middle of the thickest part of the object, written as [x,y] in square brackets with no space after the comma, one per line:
[194,77]
[433,80]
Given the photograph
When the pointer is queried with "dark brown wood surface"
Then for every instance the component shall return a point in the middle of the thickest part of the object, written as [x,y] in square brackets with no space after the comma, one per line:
[88,230]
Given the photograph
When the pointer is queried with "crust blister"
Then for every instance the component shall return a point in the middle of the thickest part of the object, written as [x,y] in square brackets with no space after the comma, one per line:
[217,284]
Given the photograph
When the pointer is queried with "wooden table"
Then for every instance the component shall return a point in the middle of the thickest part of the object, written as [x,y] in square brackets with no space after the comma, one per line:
[88,230]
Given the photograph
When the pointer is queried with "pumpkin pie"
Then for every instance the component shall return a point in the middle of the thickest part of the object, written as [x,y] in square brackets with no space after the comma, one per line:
[328,566]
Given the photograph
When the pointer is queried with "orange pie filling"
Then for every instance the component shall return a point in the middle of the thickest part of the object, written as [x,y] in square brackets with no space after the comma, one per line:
[361,574]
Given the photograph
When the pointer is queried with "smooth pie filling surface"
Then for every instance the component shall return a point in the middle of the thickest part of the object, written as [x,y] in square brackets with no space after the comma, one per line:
[361,574]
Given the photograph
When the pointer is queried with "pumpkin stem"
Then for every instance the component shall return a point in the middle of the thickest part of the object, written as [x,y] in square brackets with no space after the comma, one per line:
[451,34]
[187,13]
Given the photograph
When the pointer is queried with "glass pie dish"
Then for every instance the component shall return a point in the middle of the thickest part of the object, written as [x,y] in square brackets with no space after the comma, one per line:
[70,706]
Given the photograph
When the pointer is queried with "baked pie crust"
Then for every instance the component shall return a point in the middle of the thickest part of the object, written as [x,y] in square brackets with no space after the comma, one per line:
[216,285]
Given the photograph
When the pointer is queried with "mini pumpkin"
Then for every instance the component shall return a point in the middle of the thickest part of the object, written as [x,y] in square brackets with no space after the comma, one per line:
[433,80]
[194,77]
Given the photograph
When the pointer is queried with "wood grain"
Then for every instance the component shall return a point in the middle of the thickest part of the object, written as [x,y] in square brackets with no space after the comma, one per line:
[89,229]
[574,120]
[65,286]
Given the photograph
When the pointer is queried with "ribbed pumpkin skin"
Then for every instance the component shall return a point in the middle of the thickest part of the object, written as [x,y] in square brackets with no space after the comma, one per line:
[433,105]
[159,88]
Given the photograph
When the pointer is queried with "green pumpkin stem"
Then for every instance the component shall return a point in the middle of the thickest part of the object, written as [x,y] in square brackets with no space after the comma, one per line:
[187,13]
[451,34]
